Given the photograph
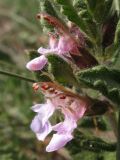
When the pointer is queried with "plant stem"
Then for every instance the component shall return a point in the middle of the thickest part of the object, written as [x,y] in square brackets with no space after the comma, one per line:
[118,140]
[17,76]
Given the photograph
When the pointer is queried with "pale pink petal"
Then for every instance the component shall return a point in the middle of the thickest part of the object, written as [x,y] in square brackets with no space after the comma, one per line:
[36,124]
[44,111]
[40,130]
[57,101]
[37,107]
[65,44]
[53,42]
[76,110]
[37,63]
[79,107]
[40,124]
[58,141]
[45,51]
[65,127]
[44,131]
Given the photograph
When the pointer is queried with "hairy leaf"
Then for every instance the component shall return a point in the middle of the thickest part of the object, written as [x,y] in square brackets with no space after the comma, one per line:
[71,13]
[101,78]
[46,7]
[61,70]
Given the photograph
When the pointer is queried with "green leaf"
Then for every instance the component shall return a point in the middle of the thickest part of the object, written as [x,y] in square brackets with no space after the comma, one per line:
[61,70]
[46,7]
[79,4]
[82,142]
[39,76]
[83,20]
[116,7]
[116,59]
[103,79]
[117,34]
[88,122]
[71,13]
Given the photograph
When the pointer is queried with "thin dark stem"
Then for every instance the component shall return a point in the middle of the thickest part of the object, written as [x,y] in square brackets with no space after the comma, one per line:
[118,140]
[17,76]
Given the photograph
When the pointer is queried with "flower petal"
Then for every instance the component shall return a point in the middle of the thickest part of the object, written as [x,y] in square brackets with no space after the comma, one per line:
[36,124]
[65,44]
[79,107]
[44,131]
[37,63]
[58,141]
[44,111]
[37,107]
[53,41]
[76,109]
[65,127]
[40,130]
[44,51]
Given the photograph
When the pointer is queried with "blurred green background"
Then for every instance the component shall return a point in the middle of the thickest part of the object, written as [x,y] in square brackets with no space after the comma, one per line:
[19,30]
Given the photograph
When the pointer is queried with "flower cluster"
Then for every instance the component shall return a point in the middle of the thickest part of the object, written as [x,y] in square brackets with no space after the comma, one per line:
[60,47]
[65,42]
[72,106]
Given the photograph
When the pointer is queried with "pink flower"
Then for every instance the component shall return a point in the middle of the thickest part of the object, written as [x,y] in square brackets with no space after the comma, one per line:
[37,63]
[61,47]
[73,108]
[61,44]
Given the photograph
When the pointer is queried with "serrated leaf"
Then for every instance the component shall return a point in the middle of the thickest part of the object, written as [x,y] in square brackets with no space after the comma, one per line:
[61,70]
[46,7]
[103,79]
[71,13]
[83,21]
[38,74]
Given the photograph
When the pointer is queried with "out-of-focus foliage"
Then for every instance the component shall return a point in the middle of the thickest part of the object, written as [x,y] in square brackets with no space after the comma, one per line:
[19,31]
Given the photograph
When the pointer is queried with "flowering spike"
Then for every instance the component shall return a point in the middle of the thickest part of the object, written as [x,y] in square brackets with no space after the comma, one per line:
[72,107]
